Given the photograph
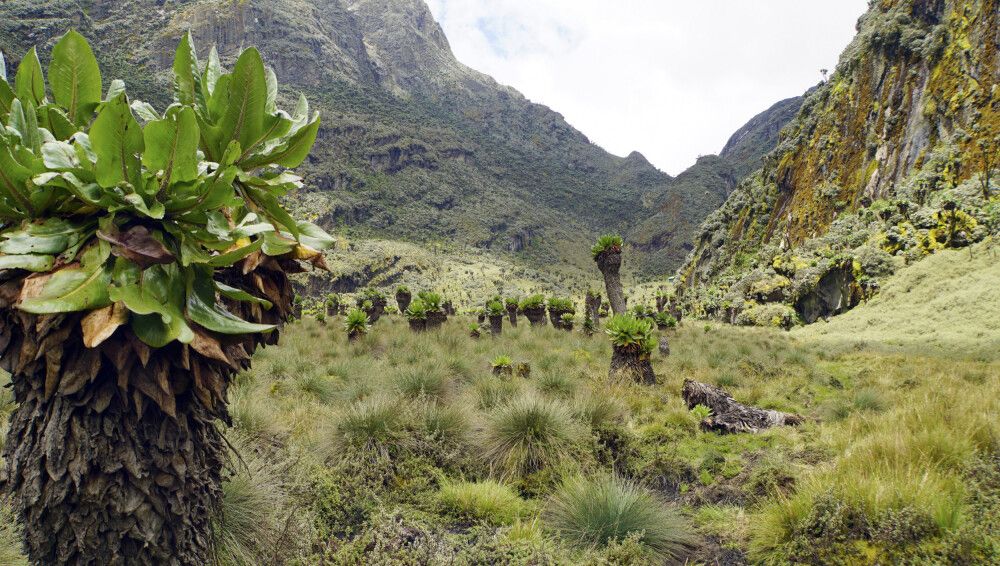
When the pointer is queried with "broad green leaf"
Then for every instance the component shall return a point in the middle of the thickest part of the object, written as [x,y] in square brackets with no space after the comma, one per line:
[291,152]
[50,237]
[315,237]
[145,111]
[14,179]
[245,111]
[172,147]
[24,121]
[117,141]
[271,104]
[272,208]
[75,77]
[187,83]
[59,124]
[156,298]
[204,309]
[117,87]
[60,156]
[7,97]
[276,245]
[213,70]
[73,288]
[30,262]
[241,295]
[3,68]
[229,258]
[29,83]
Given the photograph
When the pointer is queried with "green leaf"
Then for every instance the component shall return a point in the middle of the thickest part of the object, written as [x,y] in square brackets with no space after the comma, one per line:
[50,237]
[3,68]
[229,258]
[145,111]
[172,147]
[75,77]
[241,295]
[210,79]
[59,124]
[30,262]
[203,308]
[156,298]
[72,288]
[7,97]
[29,83]
[117,140]
[273,209]
[291,152]
[315,237]
[60,156]
[245,114]
[25,122]
[14,179]
[117,87]
[187,83]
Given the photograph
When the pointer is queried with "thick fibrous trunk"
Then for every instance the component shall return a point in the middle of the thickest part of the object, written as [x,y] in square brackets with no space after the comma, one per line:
[630,363]
[113,454]
[418,324]
[728,416]
[535,316]
[593,307]
[664,346]
[610,263]
[435,319]
[496,324]
[403,300]
[376,311]
[512,315]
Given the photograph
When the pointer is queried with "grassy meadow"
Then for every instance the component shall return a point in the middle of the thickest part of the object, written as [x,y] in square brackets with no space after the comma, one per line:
[405,448]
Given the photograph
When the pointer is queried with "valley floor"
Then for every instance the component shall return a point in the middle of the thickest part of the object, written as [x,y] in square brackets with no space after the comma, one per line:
[404,448]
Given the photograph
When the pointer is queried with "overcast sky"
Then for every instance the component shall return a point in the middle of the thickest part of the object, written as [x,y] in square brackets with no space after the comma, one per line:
[672,79]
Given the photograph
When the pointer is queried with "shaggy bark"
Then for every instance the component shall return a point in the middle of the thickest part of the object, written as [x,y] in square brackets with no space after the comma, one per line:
[113,454]
[728,416]
[664,346]
[593,307]
[610,263]
[535,316]
[376,311]
[435,319]
[512,315]
[418,324]
[496,324]
[630,363]
[403,300]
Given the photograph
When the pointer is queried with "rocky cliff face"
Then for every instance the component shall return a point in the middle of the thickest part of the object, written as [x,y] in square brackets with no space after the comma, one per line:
[885,163]
[661,234]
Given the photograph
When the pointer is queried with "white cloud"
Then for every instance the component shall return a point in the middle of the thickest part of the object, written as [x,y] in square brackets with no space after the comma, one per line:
[669,78]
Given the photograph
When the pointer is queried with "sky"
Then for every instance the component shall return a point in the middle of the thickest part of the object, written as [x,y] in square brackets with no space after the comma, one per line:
[672,79]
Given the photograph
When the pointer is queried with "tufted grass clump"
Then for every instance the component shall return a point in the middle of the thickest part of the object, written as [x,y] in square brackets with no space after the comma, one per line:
[488,501]
[527,434]
[607,509]
[375,426]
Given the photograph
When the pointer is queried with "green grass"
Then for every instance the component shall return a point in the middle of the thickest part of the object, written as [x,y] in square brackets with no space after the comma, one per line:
[608,509]
[361,431]
[946,303]
[488,501]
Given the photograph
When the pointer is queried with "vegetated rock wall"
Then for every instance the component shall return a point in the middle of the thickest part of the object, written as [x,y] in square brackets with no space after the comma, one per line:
[885,163]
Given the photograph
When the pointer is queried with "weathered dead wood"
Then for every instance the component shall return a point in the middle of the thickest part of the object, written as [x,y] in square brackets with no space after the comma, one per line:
[731,417]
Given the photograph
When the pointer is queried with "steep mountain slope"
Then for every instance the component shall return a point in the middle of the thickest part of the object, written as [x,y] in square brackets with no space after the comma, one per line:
[887,162]
[414,144]
[660,234]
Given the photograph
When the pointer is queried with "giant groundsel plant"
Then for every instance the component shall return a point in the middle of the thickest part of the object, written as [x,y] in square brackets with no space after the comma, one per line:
[143,256]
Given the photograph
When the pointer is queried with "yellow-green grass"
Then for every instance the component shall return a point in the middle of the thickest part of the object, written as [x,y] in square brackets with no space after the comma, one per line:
[947,302]
[385,424]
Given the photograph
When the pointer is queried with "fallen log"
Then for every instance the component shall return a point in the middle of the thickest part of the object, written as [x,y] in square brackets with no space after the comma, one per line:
[730,417]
